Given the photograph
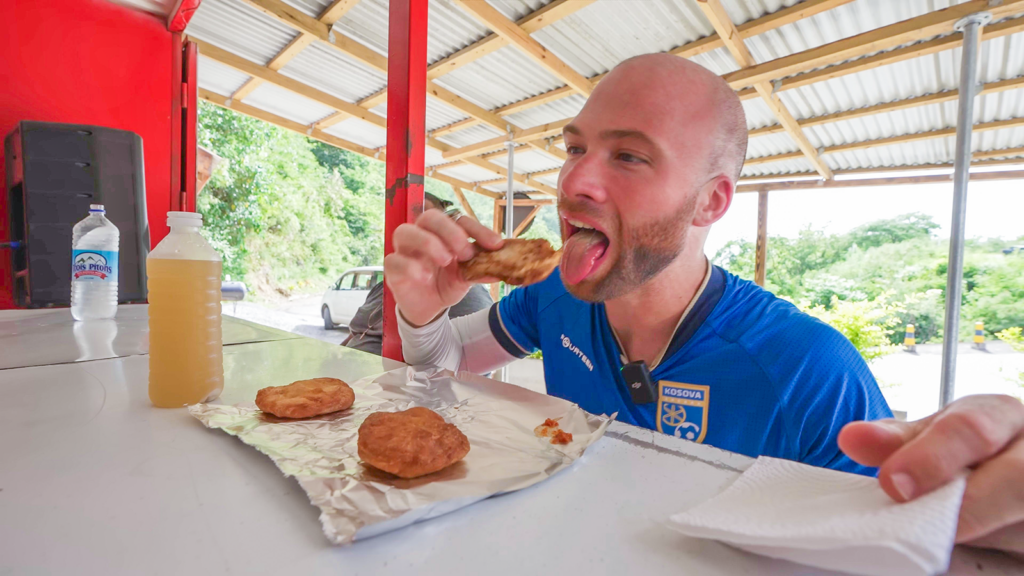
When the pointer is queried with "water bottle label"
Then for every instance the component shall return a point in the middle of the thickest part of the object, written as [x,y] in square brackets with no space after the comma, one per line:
[94,265]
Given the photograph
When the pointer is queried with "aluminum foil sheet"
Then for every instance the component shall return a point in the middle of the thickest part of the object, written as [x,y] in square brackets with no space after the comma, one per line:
[357,501]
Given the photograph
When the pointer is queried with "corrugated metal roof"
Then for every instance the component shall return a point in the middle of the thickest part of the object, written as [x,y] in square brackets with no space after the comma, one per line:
[219,78]
[287,104]
[477,133]
[240,29]
[502,77]
[551,112]
[329,70]
[362,133]
[601,35]
[529,161]
[449,29]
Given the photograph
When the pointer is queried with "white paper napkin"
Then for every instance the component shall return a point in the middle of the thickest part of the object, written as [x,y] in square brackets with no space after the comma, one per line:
[830,520]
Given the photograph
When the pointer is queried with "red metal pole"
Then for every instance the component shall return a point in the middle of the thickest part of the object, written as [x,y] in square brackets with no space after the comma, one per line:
[407,102]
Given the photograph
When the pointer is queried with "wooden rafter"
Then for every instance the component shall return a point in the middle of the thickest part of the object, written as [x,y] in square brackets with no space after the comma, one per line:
[805,9]
[898,55]
[885,38]
[243,65]
[716,14]
[513,34]
[526,221]
[465,203]
[530,23]
[776,19]
[329,16]
[886,181]
[893,140]
[536,133]
[1001,157]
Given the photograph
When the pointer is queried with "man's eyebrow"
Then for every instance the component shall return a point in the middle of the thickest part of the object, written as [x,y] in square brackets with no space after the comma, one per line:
[622,134]
[570,129]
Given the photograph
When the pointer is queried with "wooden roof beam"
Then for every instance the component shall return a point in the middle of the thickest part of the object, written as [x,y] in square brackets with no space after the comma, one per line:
[530,23]
[719,18]
[885,38]
[535,133]
[804,9]
[329,16]
[936,98]
[918,50]
[513,34]
[776,19]
[866,182]
[893,140]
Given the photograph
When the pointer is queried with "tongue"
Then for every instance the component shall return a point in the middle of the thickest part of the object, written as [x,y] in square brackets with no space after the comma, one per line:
[580,254]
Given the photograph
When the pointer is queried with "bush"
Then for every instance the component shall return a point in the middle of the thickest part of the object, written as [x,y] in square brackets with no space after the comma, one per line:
[868,325]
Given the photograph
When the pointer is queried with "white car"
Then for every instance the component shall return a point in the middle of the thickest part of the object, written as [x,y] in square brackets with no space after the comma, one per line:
[346,295]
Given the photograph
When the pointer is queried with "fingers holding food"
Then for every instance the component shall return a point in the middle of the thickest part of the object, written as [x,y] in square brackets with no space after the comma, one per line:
[411,443]
[306,398]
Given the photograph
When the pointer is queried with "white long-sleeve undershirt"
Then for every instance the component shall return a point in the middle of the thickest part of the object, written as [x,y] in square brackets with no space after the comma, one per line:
[465,343]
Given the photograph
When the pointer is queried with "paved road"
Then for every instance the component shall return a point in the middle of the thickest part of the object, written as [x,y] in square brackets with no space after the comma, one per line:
[910,382]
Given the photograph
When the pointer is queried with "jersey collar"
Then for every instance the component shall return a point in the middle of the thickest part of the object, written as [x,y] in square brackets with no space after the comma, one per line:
[700,307]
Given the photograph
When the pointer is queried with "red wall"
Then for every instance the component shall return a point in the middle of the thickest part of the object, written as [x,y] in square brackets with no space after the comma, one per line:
[88,62]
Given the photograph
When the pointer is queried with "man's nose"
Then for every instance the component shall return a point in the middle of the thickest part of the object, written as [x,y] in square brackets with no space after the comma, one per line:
[583,177]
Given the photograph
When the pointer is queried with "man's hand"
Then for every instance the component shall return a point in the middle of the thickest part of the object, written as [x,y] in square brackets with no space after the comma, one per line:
[984,433]
[423,272]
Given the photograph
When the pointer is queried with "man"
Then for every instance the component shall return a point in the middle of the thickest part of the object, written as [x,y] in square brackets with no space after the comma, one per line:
[366,329]
[653,160]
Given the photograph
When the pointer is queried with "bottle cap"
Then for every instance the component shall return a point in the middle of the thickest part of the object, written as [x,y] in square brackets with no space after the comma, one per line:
[93,208]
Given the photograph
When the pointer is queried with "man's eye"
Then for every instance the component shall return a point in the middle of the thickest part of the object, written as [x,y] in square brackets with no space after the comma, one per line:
[629,158]
[573,150]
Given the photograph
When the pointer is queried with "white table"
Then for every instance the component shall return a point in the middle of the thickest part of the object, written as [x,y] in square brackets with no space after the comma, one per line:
[94,480]
[51,336]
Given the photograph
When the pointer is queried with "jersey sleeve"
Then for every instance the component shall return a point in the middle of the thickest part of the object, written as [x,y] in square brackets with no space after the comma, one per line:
[513,321]
[829,388]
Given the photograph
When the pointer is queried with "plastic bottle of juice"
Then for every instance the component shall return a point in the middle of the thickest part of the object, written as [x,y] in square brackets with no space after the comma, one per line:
[186,362]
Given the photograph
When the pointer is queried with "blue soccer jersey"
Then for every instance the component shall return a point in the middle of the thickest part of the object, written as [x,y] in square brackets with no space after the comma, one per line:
[745,371]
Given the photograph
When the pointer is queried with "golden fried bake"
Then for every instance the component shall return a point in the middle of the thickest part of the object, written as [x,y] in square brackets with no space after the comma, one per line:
[518,262]
[411,443]
[306,398]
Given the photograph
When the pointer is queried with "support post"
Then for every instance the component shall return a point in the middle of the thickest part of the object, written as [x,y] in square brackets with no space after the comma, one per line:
[510,211]
[407,102]
[761,248]
[971,28]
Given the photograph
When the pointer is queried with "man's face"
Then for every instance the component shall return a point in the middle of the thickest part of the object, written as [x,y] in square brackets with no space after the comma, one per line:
[637,156]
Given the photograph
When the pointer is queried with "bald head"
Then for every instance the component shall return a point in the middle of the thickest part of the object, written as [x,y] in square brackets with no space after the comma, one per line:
[691,96]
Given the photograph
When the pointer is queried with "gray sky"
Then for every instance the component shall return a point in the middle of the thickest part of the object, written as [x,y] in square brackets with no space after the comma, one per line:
[994,209]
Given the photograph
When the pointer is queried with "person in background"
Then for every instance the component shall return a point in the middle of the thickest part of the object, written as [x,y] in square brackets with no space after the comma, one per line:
[366,330]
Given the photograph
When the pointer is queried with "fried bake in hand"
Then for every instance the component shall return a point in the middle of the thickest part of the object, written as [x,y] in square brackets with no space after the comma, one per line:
[411,443]
[306,398]
[518,262]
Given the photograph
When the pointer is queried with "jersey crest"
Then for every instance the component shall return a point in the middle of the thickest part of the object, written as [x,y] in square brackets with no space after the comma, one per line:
[683,410]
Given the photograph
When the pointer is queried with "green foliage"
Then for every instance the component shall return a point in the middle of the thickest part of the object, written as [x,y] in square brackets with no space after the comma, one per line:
[1013,337]
[866,324]
[290,214]
[898,258]
[282,219]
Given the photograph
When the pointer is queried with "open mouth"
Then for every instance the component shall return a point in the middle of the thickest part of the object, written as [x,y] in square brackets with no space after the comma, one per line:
[583,250]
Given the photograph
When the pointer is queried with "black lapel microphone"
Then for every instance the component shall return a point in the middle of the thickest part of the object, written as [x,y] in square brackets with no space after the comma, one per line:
[638,379]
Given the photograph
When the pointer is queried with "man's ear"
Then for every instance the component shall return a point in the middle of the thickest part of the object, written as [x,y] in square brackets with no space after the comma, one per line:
[715,199]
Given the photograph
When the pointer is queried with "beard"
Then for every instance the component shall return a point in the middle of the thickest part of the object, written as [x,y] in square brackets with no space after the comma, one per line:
[644,251]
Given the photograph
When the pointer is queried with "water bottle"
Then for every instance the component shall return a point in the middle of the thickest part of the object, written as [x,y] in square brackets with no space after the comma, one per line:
[94,251]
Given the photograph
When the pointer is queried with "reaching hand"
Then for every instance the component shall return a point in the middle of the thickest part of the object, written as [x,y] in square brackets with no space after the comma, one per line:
[423,272]
[983,433]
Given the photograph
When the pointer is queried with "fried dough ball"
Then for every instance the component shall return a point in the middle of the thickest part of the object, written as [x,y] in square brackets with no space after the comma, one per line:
[306,398]
[411,443]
